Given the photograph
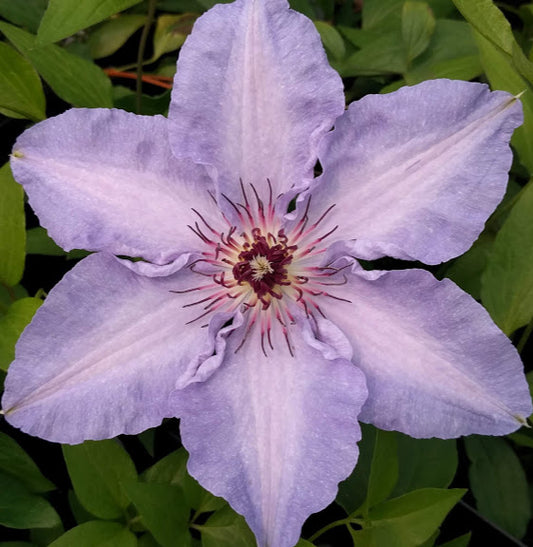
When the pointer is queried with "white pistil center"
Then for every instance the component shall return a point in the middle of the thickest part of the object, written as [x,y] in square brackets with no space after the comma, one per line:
[260,267]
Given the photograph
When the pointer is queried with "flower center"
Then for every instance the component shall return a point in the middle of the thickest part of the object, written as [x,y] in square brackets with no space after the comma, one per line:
[262,264]
[264,267]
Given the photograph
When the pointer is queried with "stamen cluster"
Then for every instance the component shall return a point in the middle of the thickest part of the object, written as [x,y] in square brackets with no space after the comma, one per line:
[262,264]
[260,267]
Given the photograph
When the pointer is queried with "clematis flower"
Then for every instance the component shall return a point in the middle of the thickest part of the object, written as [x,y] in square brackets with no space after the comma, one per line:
[248,314]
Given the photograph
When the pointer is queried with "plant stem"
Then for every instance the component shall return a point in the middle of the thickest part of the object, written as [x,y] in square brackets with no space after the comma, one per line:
[140,53]
[329,526]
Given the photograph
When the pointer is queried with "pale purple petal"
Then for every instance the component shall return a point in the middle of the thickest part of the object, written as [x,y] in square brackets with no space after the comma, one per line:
[253,94]
[435,363]
[103,353]
[106,180]
[274,435]
[416,173]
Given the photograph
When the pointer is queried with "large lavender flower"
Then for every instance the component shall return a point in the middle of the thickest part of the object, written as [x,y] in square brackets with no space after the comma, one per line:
[258,327]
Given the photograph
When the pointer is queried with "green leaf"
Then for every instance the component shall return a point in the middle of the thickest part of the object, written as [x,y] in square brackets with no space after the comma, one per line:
[381,56]
[418,25]
[502,75]
[97,533]
[147,540]
[380,13]
[72,78]
[305,7]
[14,461]
[81,514]
[408,520]
[97,471]
[492,25]
[12,228]
[172,469]
[21,91]
[384,468]
[8,295]
[24,14]
[358,37]
[20,508]
[45,536]
[352,491]
[170,32]
[38,242]
[113,34]
[522,439]
[62,19]
[376,472]
[332,40]
[452,53]
[466,270]
[499,483]
[489,21]
[12,324]
[147,439]
[425,463]
[225,528]
[507,283]
[163,510]
[151,104]
[461,541]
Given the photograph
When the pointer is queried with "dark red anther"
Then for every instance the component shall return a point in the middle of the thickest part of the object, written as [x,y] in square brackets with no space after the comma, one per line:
[263,266]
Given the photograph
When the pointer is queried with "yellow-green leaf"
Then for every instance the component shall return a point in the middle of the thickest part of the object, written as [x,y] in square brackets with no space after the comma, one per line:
[418,25]
[112,34]
[98,471]
[489,21]
[163,511]
[502,75]
[64,18]
[21,91]
[76,80]
[170,32]
[12,324]
[408,520]
[24,13]
[332,40]
[97,532]
[12,228]
[507,283]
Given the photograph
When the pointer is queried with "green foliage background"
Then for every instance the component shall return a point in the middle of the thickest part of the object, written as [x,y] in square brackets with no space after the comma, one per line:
[104,53]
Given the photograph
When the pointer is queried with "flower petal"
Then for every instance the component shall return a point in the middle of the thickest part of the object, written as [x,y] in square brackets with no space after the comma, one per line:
[416,173]
[274,435]
[253,94]
[435,363]
[103,353]
[106,180]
